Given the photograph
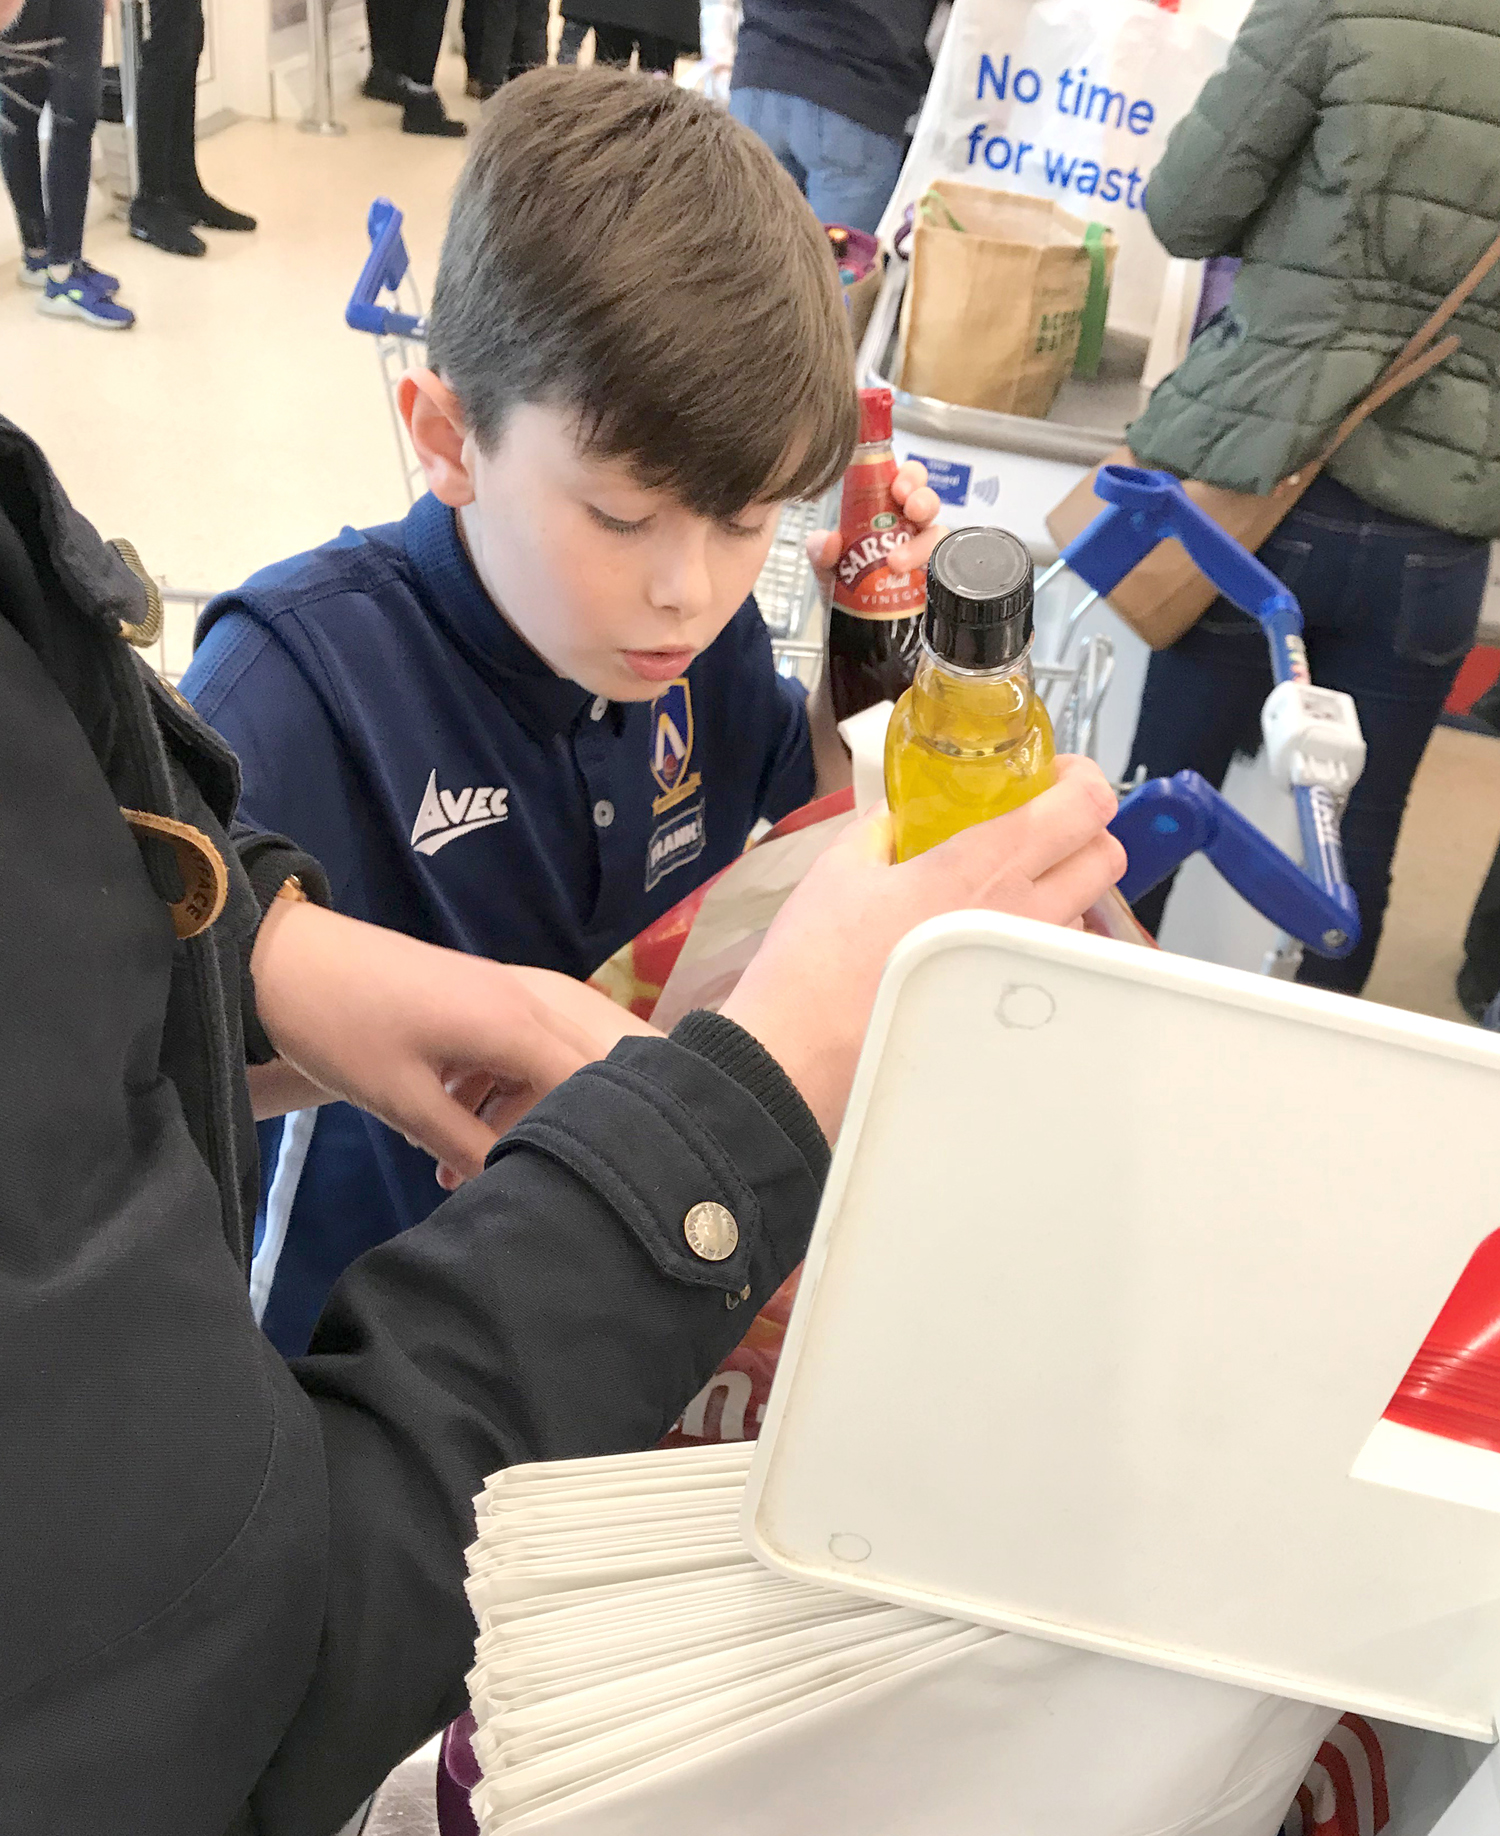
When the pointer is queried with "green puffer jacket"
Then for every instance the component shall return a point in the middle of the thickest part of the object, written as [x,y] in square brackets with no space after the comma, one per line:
[1350,152]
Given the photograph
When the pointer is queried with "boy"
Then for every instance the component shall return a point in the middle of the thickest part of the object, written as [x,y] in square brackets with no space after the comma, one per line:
[532,717]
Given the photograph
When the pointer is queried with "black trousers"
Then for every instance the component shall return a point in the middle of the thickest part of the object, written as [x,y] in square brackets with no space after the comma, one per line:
[504,38]
[614,44]
[167,105]
[406,36]
[69,79]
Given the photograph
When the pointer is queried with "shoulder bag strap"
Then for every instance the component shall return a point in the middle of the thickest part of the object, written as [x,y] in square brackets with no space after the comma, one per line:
[1415,359]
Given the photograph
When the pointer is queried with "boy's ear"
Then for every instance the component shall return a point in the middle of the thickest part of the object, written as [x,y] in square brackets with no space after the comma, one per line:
[436,424]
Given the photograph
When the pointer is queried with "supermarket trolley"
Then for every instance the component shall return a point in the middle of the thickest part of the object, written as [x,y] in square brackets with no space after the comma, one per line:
[387,305]
[1313,742]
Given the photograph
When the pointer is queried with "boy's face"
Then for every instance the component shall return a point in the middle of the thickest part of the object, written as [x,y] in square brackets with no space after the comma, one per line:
[615,586]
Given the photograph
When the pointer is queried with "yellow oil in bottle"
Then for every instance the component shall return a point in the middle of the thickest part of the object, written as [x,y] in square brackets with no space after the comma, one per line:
[969,739]
[961,749]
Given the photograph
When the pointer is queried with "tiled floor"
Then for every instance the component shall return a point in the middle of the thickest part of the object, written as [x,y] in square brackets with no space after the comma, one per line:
[240,420]
[1447,843]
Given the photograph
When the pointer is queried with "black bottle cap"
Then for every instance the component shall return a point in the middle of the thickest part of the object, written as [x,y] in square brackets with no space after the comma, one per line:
[979,599]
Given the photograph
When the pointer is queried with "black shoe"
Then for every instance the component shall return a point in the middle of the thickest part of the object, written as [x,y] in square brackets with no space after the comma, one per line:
[477,90]
[208,213]
[164,226]
[424,114]
[383,85]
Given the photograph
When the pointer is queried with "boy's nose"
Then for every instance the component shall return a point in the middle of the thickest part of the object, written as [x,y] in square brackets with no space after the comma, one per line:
[681,582]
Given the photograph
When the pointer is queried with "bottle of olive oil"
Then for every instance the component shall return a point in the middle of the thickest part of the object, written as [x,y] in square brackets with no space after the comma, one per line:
[969,739]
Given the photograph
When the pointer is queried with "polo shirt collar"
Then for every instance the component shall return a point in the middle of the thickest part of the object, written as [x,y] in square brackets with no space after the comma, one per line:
[455,596]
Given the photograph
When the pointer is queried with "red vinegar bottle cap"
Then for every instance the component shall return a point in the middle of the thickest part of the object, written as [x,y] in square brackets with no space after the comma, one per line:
[874,415]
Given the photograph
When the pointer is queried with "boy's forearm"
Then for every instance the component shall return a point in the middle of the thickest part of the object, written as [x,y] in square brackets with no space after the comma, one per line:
[831,761]
[277,1088]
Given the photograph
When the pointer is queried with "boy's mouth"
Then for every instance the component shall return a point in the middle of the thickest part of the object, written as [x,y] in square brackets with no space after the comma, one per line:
[658,665]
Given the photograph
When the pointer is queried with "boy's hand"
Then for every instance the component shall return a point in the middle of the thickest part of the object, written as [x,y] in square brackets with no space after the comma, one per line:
[449,1049]
[917,502]
[808,992]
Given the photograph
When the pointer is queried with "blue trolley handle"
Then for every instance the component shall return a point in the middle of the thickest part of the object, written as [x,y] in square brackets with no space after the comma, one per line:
[384,270]
[1144,508]
[1164,822]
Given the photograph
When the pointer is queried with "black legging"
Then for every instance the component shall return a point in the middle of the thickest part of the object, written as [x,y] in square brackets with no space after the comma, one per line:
[406,36]
[167,104]
[70,80]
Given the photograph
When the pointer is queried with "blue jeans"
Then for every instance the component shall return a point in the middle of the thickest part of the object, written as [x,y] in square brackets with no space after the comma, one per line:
[845,171]
[1392,609]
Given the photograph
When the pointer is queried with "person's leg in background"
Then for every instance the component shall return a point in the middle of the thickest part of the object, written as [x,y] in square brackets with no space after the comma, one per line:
[1392,610]
[169,72]
[496,37]
[770,116]
[1479,978]
[528,50]
[473,31]
[851,170]
[423,111]
[574,32]
[74,290]
[386,20]
[1200,706]
[22,100]
[187,191]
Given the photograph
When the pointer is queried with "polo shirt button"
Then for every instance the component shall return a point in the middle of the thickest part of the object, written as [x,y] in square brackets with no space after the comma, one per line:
[604,813]
[711,1232]
[599,709]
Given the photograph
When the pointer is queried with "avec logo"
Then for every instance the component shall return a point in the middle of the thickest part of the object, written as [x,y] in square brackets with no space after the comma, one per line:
[445,815]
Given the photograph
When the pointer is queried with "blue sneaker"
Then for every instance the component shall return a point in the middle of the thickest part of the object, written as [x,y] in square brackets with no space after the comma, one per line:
[33,273]
[83,295]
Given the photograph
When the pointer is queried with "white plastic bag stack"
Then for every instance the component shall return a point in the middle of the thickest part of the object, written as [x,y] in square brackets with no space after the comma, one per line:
[639,1674]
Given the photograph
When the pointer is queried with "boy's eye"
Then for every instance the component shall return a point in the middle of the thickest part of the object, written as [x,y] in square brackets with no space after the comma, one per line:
[616,525]
[745,531]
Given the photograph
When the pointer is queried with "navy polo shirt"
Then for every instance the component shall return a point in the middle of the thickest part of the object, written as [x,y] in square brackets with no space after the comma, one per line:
[389,721]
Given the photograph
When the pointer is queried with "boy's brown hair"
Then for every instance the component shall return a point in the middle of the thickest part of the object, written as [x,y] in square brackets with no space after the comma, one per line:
[621,249]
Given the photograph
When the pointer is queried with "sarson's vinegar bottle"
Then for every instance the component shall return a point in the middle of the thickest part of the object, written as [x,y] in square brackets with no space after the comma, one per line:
[969,739]
[874,624]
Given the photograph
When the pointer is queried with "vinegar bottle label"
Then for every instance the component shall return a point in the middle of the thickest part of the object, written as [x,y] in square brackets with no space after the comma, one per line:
[865,584]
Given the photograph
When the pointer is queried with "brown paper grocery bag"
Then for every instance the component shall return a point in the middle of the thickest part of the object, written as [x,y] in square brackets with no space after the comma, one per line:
[996,299]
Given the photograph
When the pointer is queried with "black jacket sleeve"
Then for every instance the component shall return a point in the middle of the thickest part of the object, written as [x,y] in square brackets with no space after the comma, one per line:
[551,1308]
[269,862]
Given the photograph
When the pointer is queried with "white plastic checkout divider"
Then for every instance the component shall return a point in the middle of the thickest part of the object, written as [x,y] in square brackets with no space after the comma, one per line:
[1165,1330]
[1009,472]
